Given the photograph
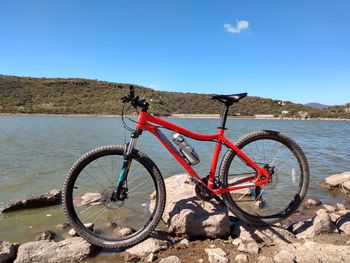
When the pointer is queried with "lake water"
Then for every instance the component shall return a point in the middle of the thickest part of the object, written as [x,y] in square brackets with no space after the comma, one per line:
[36,153]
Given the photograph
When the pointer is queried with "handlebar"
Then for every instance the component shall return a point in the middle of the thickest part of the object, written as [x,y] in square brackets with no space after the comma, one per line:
[135,101]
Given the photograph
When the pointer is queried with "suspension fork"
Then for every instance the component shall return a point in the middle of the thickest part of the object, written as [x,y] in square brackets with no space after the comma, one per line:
[120,191]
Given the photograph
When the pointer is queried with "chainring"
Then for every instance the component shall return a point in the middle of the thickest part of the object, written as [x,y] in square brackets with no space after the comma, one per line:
[202,192]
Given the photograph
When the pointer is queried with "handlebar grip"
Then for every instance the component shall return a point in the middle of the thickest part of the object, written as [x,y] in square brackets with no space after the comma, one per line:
[132,92]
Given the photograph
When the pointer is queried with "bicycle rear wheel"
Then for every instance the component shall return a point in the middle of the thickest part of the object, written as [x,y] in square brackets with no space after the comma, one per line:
[87,198]
[289,171]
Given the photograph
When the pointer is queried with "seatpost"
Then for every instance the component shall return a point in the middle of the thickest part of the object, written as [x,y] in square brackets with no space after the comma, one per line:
[224,117]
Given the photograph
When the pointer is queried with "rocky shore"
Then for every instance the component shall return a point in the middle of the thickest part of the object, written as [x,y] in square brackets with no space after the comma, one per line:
[201,231]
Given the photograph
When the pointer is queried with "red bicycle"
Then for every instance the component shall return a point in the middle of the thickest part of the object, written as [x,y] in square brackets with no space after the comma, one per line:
[262,179]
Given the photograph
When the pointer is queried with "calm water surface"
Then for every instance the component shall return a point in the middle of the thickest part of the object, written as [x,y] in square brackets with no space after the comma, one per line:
[36,153]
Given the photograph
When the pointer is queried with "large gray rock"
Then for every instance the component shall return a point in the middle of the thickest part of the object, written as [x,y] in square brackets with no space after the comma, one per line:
[51,198]
[69,250]
[185,214]
[312,252]
[337,179]
[8,251]
[322,223]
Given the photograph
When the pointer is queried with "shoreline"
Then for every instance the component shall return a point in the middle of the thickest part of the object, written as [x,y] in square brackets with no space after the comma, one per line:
[177,116]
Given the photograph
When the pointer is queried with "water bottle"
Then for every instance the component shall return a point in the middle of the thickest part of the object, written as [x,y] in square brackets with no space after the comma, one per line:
[185,149]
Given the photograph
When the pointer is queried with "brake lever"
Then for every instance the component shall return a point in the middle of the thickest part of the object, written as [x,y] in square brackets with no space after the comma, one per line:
[125,99]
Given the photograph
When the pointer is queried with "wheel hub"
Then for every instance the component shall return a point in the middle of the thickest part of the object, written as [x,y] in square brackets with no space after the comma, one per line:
[273,177]
[107,199]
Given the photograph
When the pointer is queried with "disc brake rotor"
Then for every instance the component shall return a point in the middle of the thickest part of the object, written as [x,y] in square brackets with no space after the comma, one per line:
[107,199]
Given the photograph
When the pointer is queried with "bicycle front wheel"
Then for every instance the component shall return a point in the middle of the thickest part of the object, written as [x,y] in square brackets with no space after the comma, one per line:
[89,207]
[279,198]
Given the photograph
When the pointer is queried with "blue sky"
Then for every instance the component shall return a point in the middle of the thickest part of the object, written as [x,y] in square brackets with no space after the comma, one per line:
[289,50]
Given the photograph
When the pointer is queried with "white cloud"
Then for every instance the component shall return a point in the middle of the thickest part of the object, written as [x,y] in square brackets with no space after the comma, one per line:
[240,26]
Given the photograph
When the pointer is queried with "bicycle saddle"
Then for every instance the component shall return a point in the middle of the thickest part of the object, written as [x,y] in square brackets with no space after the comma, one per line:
[229,99]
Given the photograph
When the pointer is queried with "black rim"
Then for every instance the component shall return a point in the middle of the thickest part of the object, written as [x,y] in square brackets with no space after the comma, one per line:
[71,210]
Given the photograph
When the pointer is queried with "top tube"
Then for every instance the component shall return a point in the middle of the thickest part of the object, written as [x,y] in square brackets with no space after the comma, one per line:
[145,120]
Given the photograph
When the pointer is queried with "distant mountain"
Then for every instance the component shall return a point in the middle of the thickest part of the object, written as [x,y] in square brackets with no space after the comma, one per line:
[317,105]
[85,96]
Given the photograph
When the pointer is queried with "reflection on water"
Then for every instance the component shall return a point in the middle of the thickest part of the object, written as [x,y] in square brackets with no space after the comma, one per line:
[36,153]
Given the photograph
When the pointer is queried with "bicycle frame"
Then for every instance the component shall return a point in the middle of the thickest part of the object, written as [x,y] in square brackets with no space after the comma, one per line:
[146,122]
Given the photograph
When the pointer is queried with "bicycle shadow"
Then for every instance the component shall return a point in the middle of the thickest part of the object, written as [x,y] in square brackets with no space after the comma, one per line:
[189,217]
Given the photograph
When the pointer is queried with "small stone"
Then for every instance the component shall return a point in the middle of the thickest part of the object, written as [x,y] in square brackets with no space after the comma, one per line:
[345,228]
[150,245]
[237,241]
[334,217]
[251,248]
[258,204]
[200,260]
[242,232]
[131,258]
[241,258]
[343,212]
[74,233]
[123,232]
[330,208]
[284,256]
[312,203]
[216,255]
[341,206]
[63,226]
[185,242]
[171,259]
[263,259]
[151,257]
[46,235]
[212,246]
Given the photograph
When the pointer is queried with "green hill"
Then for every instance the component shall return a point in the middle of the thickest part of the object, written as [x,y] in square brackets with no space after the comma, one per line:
[83,96]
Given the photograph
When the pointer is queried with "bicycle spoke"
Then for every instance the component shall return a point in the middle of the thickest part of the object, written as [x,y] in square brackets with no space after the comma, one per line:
[94,179]
[109,181]
[274,197]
